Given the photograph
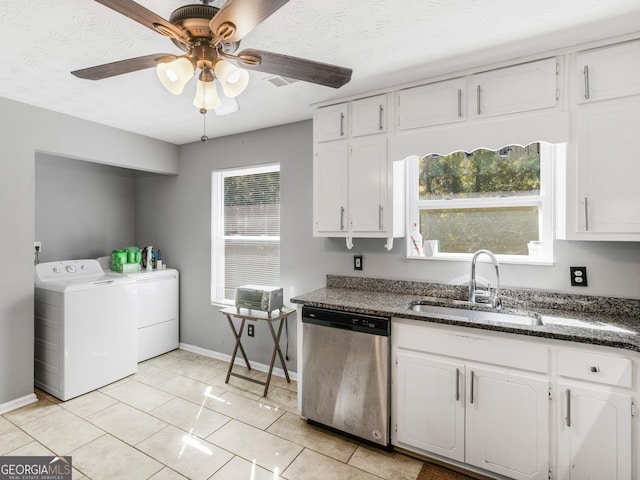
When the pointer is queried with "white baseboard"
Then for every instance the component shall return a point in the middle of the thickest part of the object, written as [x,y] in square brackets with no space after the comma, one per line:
[17,403]
[261,367]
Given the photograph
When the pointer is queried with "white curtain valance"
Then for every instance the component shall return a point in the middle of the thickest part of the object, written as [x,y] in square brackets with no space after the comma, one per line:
[492,135]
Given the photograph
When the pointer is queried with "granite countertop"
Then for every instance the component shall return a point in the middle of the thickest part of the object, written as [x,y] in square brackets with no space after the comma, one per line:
[608,321]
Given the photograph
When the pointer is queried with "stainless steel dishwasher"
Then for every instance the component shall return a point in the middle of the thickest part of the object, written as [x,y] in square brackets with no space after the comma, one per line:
[345,377]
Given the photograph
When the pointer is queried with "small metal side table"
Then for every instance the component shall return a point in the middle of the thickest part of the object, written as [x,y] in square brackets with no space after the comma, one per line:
[255,315]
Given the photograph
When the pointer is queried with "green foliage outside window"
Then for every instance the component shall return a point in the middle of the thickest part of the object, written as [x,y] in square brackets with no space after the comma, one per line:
[511,172]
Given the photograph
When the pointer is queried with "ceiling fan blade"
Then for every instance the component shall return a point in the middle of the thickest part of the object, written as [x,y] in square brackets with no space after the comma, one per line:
[123,66]
[146,17]
[243,16]
[298,68]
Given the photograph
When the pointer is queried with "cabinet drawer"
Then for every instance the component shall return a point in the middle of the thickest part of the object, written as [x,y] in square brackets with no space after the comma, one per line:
[465,343]
[595,367]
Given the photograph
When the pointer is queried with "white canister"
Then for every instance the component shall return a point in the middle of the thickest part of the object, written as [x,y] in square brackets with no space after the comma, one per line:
[430,248]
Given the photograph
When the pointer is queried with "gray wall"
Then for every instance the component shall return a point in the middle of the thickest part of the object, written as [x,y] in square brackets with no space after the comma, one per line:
[25,130]
[179,220]
[175,211]
[82,209]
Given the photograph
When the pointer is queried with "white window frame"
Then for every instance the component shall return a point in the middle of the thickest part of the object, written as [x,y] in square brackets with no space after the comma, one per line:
[217,226]
[544,202]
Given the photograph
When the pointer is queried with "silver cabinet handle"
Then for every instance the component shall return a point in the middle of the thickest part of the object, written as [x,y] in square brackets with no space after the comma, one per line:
[341,124]
[568,417]
[341,218]
[380,212]
[381,117]
[457,384]
[472,382]
[586,82]
[586,214]
[459,103]
[478,99]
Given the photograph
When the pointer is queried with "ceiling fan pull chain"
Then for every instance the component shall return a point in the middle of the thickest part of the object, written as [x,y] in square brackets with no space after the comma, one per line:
[204,137]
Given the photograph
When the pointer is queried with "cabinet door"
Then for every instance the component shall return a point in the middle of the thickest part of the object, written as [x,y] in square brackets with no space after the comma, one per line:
[609,72]
[369,116]
[434,104]
[368,175]
[330,177]
[529,86]
[608,195]
[331,123]
[507,418]
[431,404]
[594,441]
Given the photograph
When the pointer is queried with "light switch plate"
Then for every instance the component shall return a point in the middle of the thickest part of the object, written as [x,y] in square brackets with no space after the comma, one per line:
[357,262]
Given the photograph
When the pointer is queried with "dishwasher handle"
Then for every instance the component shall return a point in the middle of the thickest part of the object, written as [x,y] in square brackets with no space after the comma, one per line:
[340,325]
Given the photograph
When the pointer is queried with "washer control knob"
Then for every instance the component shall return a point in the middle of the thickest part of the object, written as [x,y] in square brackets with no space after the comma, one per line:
[83,267]
[56,270]
[71,269]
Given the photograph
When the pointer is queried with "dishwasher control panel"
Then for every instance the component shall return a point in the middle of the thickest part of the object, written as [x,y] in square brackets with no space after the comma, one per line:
[347,320]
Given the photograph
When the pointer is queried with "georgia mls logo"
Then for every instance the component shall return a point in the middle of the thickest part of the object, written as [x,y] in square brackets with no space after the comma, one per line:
[35,468]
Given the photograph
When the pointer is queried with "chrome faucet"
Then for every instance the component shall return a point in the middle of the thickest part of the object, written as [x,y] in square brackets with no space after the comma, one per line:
[490,295]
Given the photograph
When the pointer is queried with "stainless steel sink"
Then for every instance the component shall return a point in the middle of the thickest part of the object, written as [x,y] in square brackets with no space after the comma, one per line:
[465,315]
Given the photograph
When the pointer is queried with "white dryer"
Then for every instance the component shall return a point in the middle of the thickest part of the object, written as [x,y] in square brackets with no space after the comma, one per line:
[158,322]
[85,327]
[158,309]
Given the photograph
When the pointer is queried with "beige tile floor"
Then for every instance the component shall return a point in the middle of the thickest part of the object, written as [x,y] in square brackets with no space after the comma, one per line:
[176,419]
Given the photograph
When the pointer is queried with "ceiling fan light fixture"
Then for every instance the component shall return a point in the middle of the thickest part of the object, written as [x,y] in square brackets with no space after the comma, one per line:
[175,75]
[234,80]
[206,95]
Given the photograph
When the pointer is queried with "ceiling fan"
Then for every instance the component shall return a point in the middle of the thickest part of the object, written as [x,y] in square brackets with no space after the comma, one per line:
[210,37]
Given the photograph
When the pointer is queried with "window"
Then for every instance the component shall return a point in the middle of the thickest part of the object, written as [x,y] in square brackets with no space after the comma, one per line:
[498,200]
[245,230]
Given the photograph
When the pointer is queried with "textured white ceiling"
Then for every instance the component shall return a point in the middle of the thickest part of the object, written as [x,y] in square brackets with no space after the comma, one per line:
[385,42]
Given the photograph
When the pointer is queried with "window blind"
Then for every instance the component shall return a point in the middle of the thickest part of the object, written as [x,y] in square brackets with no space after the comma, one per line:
[250,229]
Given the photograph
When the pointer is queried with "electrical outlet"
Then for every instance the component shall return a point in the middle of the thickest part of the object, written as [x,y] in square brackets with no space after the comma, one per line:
[578,276]
[357,262]
[250,331]
[37,246]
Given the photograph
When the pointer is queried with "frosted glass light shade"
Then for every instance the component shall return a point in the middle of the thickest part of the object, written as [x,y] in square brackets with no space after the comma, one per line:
[206,95]
[175,75]
[233,79]
[227,104]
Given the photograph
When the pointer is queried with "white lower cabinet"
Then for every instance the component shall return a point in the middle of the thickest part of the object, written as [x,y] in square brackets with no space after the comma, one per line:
[485,399]
[594,439]
[489,416]
[431,404]
[507,422]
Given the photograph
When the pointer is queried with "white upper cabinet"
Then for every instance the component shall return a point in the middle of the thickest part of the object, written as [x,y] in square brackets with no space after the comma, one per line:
[330,189]
[529,86]
[608,198]
[331,123]
[368,174]
[606,205]
[358,191]
[369,116]
[608,73]
[434,104]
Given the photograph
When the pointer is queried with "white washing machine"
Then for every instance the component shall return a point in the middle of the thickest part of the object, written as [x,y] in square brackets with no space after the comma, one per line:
[85,327]
[158,309]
